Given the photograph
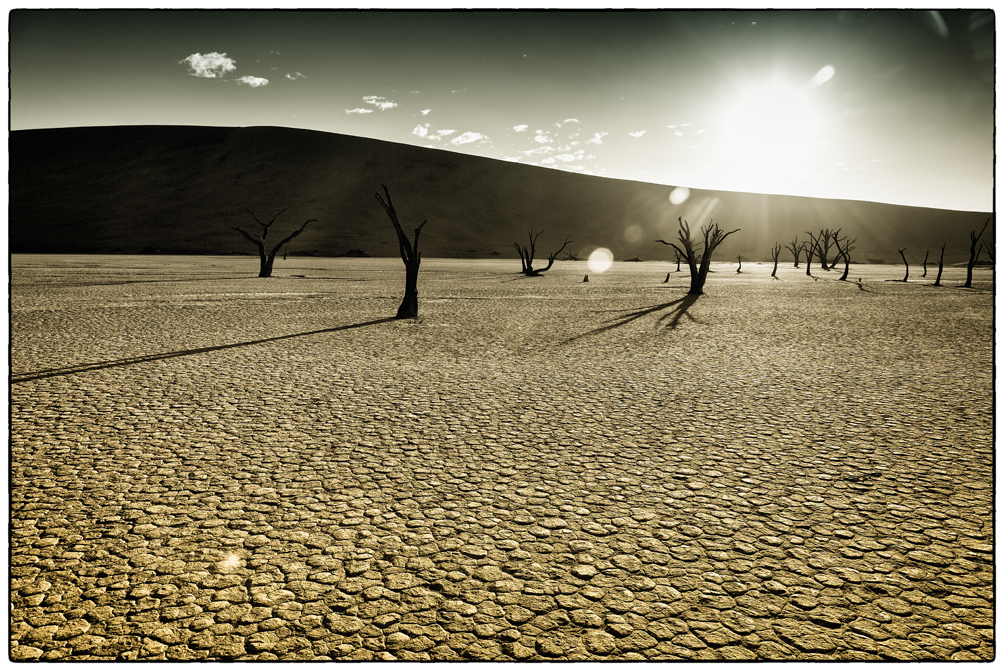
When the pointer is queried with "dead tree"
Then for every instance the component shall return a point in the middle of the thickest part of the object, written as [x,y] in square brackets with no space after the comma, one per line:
[846,254]
[907,269]
[824,244]
[938,278]
[410,255]
[924,265]
[527,255]
[837,242]
[677,255]
[796,248]
[739,263]
[974,253]
[713,237]
[812,247]
[775,251]
[268,256]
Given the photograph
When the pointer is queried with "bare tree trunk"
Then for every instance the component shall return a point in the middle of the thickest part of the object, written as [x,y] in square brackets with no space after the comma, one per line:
[938,277]
[846,253]
[907,269]
[924,265]
[713,237]
[527,255]
[268,257]
[775,251]
[677,254]
[795,247]
[739,262]
[973,253]
[410,254]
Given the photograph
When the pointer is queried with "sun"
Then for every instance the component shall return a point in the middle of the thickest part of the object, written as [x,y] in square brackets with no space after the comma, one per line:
[770,130]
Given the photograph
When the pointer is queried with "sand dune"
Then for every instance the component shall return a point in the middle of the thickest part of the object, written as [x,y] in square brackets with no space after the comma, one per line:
[180,189]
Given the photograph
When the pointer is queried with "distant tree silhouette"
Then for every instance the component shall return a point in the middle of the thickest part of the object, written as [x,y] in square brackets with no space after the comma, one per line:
[268,256]
[812,247]
[676,254]
[907,269]
[845,253]
[739,263]
[713,237]
[796,248]
[924,265]
[824,244]
[775,251]
[527,255]
[974,253]
[410,255]
[836,236]
[938,278]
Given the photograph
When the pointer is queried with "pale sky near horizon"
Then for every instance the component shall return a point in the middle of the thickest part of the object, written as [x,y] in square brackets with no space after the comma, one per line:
[890,106]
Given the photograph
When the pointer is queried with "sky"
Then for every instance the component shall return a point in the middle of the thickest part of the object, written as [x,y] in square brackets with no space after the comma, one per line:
[889,106]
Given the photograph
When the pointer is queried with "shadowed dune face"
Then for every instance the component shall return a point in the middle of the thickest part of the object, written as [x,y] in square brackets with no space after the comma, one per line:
[180,189]
[224,466]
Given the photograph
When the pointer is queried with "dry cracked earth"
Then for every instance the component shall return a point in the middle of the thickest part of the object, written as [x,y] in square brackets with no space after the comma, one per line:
[206,465]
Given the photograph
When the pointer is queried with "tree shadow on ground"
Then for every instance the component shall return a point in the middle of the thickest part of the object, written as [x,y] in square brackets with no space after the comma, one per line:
[126,361]
[672,318]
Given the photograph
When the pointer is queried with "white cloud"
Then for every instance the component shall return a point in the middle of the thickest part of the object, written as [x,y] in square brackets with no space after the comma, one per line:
[379,102]
[465,138]
[521,128]
[548,160]
[542,138]
[253,82]
[211,65]
[446,131]
[637,134]
[597,139]
[558,124]
[425,112]
[359,110]
[576,156]
[420,130]
[539,150]
[295,76]
[678,133]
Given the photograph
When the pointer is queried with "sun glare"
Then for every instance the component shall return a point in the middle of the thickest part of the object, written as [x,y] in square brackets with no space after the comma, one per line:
[600,260]
[769,130]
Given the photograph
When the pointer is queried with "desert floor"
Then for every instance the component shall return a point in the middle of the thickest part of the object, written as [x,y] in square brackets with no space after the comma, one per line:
[209,465]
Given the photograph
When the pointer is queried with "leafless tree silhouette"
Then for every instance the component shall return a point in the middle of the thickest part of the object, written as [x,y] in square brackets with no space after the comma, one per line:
[713,237]
[268,256]
[775,251]
[938,277]
[924,265]
[410,255]
[907,269]
[812,247]
[796,248]
[846,255]
[527,255]
[974,253]
[739,263]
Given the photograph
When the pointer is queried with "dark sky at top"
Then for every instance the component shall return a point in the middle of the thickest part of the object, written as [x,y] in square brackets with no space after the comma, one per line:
[893,106]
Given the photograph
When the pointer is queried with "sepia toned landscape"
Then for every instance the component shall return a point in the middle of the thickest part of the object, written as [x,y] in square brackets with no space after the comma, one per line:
[501,335]
[207,465]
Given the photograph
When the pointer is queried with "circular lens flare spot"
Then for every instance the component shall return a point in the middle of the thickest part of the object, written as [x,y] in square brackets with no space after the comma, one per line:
[633,233]
[600,260]
[679,195]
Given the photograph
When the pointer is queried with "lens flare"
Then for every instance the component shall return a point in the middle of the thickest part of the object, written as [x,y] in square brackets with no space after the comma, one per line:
[825,74]
[600,260]
[633,233]
[679,195]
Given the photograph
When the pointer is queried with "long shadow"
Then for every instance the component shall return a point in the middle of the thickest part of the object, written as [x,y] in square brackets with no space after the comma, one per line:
[674,317]
[125,282]
[126,361]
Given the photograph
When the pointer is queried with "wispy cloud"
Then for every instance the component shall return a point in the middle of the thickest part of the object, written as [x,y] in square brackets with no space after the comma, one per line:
[597,139]
[543,138]
[575,156]
[445,132]
[379,102]
[469,137]
[539,150]
[559,124]
[422,131]
[359,110]
[210,66]
[521,128]
[253,82]
[637,134]
[295,76]
[425,112]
